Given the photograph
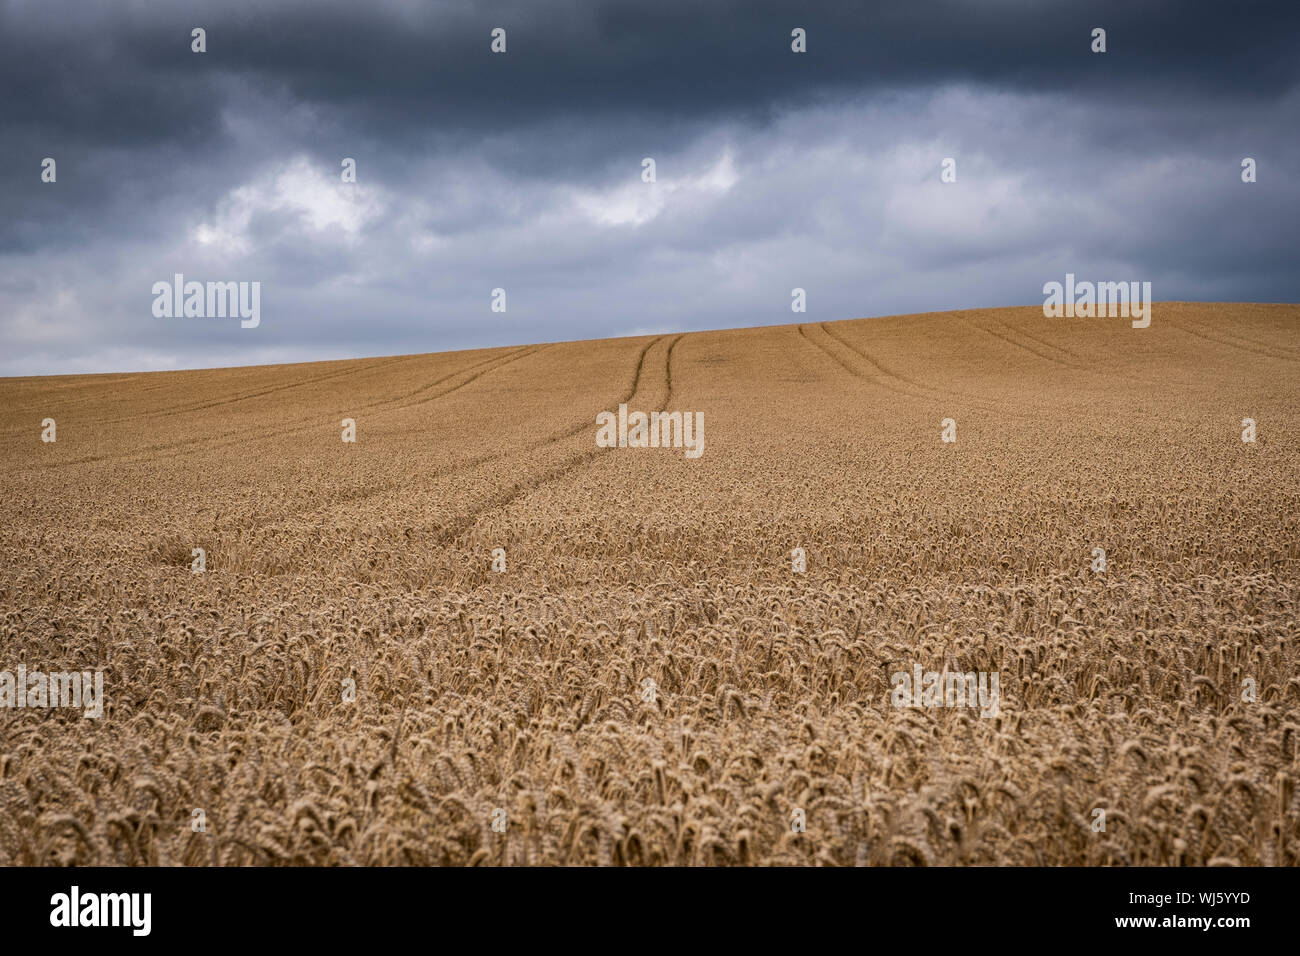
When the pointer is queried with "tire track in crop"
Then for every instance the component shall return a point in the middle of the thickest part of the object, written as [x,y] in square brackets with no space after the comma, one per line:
[252,395]
[493,362]
[203,405]
[1264,343]
[506,497]
[477,461]
[1088,367]
[120,382]
[185,408]
[910,387]
[858,373]
[1186,326]
[1012,338]
[1027,348]
[239,437]
[874,363]
[1015,330]
[210,439]
[913,389]
[929,393]
[1245,344]
[556,436]
[583,425]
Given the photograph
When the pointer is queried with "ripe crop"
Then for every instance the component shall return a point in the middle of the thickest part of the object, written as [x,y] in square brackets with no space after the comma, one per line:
[648,681]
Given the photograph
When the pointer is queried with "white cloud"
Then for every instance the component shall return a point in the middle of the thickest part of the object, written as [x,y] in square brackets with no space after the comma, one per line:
[636,203]
[300,192]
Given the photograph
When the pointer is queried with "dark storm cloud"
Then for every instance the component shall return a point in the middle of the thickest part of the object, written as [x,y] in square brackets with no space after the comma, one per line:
[522,170]
[128,73]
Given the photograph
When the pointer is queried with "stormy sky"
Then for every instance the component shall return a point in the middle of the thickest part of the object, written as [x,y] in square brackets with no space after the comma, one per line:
[523,170]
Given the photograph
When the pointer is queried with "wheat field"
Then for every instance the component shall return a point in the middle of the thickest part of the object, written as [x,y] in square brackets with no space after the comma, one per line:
[649,681]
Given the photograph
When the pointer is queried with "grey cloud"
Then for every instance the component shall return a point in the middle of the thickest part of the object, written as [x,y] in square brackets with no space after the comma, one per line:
[522,171]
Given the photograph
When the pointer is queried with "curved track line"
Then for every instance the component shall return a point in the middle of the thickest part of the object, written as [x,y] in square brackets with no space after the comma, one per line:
[928,393]
[1011,330]
[1257,347]
[476,375]
[465,523]
[36,400]
[1265,344]
[251,395]
[555,437]
[874,363]
[226,439]
[201,405]
[858,373]
[1184,326]
[170,411]
[492,361]
[1020,345]
[835,358]
[1084,365]
[923,392]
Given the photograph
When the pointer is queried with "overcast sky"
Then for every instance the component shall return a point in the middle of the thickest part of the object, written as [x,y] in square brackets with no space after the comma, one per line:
[523,170]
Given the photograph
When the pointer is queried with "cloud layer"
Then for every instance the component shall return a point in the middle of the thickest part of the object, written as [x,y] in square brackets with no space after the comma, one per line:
[523,170]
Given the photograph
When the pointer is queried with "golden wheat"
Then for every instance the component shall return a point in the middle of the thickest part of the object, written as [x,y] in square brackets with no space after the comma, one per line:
[523,691]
